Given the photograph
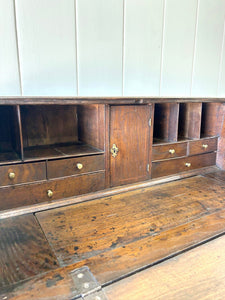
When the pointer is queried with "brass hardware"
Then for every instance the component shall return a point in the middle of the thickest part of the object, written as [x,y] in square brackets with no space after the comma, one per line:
[49,193]
[205,146]
[172,151]
[114,150]
[188,165]
[11,175]
[150,122]
[79,166]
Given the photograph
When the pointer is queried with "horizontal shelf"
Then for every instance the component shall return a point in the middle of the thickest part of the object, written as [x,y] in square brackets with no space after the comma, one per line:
[9,157]
[59,151]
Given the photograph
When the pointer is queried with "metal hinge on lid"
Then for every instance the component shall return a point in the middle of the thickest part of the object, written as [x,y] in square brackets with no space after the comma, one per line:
[87,286]
[150,122]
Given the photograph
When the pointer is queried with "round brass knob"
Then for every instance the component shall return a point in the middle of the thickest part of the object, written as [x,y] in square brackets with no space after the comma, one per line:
[49,193]
[188,165]
[172,151]
[205,146]
[79,166]
[11,175]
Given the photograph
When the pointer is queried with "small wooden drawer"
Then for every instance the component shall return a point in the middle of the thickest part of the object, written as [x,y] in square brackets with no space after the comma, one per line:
[202,146]
[167,151]
[177,165]
[74,166]
[23,195]
[15,174]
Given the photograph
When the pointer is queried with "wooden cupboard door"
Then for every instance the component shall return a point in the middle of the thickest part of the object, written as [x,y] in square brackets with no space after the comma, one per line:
[130,133]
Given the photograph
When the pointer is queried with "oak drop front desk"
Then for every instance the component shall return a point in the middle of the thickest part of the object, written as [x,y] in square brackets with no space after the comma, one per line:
[63,161]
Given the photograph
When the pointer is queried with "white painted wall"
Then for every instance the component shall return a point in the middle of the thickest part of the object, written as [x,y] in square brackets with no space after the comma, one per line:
[112,48]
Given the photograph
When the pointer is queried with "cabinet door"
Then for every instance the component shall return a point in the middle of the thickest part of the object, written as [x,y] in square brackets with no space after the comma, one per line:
[130,136]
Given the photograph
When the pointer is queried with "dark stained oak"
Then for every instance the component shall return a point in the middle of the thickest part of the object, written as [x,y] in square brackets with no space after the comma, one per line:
[190,120]
[166,122]
[23,195]
[196,274]
[48,125]
[56,284]
[176,165]
[91,128]
[203,146]
[68,167]
[166,151]
[23,173]
[24,250]
[130,132]
[119,234]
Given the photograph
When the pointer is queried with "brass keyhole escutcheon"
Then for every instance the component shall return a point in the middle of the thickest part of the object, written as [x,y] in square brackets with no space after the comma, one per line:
[114,150]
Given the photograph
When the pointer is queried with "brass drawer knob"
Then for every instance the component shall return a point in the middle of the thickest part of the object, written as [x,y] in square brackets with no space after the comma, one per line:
[188,165]
[205,146]
[172,151]
[79,166]
[49,193]
[11,175]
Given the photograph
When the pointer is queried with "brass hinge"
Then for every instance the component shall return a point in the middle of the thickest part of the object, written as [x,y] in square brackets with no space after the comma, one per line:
[150,122]
[148,167]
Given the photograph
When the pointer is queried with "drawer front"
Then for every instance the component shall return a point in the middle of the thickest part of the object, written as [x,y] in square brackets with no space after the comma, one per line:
[23,195]
[169,151]
[202,146]
[15,174]
[174,166]
[75,166]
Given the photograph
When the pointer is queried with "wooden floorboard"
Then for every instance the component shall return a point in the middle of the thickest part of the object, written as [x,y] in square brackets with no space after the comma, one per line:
[24,250]
[117,235]
[196,274]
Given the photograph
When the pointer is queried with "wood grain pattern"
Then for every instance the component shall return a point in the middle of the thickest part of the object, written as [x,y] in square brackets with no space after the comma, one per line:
[48,125]
[68,167]
[196,147]
[56,284]
[91,128]
[140,227]
[23,195]
[176,165]
[162,151]
[23,173]
[190,120]
[166,122]
[24,250]
[196,274]
[130,132]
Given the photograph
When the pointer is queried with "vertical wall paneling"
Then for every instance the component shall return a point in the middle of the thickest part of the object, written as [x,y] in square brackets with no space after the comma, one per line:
[46,37]
[142,46]
[99,41]
[208,47]
[9,73]
[178,45]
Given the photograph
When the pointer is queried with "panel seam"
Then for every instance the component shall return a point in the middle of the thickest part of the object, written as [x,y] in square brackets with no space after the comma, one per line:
[17,48]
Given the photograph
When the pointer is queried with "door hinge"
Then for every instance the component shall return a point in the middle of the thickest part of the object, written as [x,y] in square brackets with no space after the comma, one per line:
[87,287]
[148,167]
[150,122]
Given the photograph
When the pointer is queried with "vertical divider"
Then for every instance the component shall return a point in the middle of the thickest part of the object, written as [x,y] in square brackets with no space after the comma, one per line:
[166,122]
[20,131]
[190,120]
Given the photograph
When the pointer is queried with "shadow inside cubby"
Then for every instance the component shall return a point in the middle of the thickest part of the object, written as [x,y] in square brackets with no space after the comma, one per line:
[51,131]
[10,148]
